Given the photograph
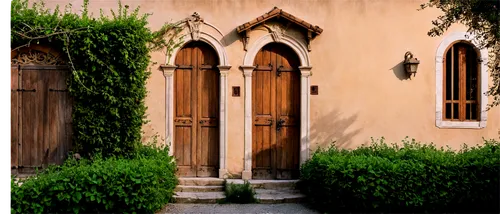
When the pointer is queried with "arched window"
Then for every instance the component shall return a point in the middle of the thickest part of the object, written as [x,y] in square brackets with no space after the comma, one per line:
[461,81]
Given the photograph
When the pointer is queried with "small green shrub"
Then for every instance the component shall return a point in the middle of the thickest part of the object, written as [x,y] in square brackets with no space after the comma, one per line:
[239,193]
[143,184]
[409,178]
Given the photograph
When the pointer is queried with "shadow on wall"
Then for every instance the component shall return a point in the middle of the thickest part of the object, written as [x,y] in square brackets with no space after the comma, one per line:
[399,71]
[330,127]
[230,38]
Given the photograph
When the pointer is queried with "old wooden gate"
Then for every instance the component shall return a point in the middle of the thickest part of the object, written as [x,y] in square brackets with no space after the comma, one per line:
[40,110]
[196,110]
[276,113]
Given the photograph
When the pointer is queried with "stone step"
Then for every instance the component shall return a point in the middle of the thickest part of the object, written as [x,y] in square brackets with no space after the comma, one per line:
[264,196]
[201,181]
[198,197]
[268,184]
[210,190]
[182,188]
[273,196]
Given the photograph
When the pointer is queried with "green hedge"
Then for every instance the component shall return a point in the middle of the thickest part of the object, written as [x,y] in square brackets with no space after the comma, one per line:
[411,178]
[143,184]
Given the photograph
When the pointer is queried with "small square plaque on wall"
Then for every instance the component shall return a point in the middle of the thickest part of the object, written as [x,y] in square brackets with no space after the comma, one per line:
[236,91]
[314,90]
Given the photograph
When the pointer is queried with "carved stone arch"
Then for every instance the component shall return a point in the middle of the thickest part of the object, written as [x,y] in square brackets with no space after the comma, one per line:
[295,43]
[37,55]
[194,28]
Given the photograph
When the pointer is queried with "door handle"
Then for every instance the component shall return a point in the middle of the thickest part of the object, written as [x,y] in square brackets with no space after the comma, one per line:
[279,124]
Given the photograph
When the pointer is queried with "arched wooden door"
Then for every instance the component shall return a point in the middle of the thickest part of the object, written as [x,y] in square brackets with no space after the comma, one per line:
[196,111]
[276,113]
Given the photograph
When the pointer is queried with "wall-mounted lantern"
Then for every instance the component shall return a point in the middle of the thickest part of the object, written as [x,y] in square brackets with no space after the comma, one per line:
[411,64]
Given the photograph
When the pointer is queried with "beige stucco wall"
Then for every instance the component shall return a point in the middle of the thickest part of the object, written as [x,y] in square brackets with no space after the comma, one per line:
[356,64]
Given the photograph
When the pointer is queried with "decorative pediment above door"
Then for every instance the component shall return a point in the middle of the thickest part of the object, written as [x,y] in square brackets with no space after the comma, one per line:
[285,20]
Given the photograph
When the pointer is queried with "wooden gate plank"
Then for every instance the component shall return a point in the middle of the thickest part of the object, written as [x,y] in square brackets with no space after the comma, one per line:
[30,118]
[44,111]
[67,106]
[14,113]
[59,111]
[54,122]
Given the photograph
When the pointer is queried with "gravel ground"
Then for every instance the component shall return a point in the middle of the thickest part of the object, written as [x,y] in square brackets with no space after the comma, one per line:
[237,208]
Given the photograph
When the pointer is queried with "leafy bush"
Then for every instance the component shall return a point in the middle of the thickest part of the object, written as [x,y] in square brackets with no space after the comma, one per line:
[239,193]
[109,59]
[143,184]
[413,177]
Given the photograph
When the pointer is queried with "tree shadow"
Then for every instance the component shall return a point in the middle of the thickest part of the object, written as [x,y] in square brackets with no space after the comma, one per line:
[282,160]
[333,127]
[400,72]
[230,38]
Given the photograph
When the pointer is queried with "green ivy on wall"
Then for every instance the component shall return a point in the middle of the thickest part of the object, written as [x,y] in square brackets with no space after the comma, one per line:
[109,58]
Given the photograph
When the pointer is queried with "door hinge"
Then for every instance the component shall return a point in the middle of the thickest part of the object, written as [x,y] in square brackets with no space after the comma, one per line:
[28,90]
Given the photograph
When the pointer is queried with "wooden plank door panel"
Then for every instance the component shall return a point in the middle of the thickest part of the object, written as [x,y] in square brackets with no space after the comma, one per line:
[196,109]
[184,121]
[288,114]
[276,113]
[208,111]
[264,107]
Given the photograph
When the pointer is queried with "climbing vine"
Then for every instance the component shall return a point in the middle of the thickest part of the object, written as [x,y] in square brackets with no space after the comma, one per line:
[110,62]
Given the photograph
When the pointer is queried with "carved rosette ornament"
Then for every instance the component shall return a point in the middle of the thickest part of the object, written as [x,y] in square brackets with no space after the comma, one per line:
[194,23]
[34,57]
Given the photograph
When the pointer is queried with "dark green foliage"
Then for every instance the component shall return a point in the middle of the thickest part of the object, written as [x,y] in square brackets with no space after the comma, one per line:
[143,184]
[413,178]
[239,193]
[109,59]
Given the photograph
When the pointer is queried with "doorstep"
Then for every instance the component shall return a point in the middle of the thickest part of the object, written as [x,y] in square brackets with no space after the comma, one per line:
[211,190]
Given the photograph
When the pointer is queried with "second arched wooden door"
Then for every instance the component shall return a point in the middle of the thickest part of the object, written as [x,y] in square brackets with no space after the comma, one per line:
[276,113]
